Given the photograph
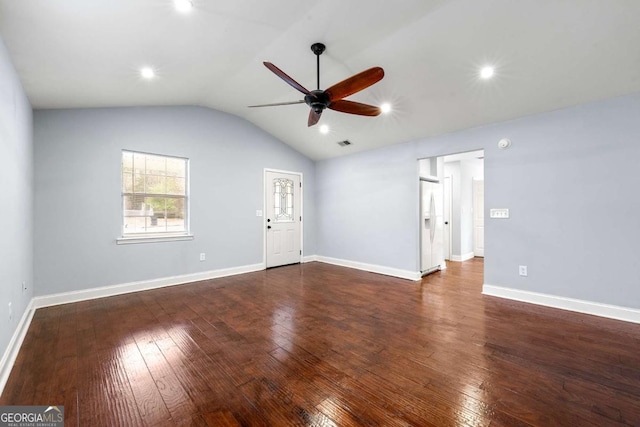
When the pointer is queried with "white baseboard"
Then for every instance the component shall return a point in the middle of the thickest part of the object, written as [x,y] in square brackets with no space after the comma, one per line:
[463,257]
[10,354]
[586,307]
[310,258]
[388,271]
[125,288]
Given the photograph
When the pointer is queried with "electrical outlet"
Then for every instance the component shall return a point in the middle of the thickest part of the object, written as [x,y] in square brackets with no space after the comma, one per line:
[203,256]
[24,286]
[522,269]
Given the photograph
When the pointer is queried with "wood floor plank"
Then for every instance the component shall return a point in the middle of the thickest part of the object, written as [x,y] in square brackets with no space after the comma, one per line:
[221,419]
[63,384]
[322,345]
[176,399]
[104,392]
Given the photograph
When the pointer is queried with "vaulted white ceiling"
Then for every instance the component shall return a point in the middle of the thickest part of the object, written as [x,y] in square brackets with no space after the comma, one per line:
[547,54]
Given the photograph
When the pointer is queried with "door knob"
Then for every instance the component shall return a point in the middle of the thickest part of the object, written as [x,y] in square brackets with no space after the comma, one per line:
[446,223]
[268,227]
[268,219]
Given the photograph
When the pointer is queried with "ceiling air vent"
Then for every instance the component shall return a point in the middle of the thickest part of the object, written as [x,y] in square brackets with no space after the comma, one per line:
[344,143]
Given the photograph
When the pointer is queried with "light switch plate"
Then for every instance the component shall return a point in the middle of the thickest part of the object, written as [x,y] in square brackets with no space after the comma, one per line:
[258,213]
[499,213]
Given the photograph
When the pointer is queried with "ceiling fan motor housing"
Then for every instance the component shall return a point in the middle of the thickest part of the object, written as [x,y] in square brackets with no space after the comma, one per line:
[318,100]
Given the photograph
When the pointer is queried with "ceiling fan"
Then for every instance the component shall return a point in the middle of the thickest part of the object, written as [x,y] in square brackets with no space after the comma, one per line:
[333,97]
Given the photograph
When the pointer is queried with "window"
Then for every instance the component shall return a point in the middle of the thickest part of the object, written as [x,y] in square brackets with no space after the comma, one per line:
[154,195]
[283,200]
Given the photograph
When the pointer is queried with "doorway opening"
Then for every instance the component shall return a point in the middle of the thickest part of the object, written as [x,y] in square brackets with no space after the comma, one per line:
[458,228]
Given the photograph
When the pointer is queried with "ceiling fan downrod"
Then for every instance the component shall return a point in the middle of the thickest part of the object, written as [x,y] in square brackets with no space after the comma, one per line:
[318,48]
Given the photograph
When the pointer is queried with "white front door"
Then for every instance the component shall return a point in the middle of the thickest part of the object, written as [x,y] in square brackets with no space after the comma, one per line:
[478,217]
[283,217]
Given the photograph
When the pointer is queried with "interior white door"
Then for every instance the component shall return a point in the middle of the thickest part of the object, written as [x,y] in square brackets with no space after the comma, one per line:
[446,238]
[478,217]
[283,218]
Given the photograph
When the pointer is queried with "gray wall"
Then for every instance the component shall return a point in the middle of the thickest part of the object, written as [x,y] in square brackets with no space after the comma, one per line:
[368,206]
[16,213]
[570,181]
[77,193]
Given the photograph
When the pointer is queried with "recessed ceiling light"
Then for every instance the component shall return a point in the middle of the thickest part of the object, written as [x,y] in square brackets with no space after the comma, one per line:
[147,73]
[324,129]
[486,72]
[386,108]
[183,6]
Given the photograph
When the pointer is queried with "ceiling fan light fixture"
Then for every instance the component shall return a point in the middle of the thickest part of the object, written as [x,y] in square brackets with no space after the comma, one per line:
[324,129]
[385,108]
[183,6]
[487,72]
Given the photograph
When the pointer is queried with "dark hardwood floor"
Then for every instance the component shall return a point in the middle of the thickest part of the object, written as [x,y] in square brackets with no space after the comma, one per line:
[320,345]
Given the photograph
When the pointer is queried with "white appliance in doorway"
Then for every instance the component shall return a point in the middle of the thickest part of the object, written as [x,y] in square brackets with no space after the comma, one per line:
[283,218]
[431,226]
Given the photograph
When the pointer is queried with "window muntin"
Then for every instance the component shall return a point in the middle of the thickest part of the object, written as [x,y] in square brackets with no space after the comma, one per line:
[283,200]
[154,195]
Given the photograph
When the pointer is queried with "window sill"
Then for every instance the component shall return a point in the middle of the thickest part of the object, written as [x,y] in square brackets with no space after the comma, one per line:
[152,239]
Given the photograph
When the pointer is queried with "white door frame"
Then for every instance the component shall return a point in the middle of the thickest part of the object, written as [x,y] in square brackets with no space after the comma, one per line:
[264,212]
[447,185]
[474,183]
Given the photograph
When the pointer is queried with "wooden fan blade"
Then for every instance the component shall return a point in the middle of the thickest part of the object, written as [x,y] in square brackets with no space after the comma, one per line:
[313,117]
[354,84]
[277,104]
[355,108]
[278,72]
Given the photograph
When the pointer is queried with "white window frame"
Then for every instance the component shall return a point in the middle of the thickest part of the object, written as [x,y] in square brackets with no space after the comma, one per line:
[150,237]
